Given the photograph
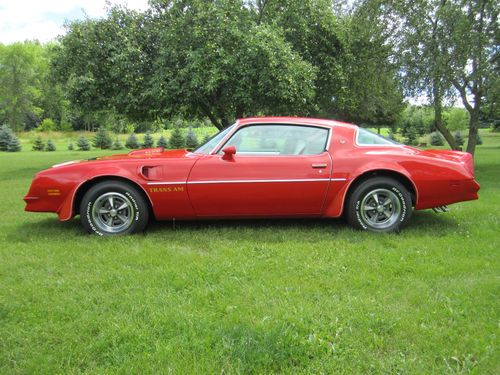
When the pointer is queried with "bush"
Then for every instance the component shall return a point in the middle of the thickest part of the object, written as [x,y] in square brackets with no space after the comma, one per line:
[38,144]
[176,139]
[47,125]
[479,140]
[132,141]
[191,139]
[14,144]
[411,137]
[458,138]
[436,139]
[6,136]
[50,146]
[148,141]
[102,139]
[70,147]
[162,142]
[117,145]
[82,143]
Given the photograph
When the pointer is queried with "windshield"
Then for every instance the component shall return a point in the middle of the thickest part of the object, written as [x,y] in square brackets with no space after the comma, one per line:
[212,142]
[367,138]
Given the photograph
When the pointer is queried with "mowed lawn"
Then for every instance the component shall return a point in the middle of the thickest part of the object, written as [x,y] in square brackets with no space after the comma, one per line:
[267,296]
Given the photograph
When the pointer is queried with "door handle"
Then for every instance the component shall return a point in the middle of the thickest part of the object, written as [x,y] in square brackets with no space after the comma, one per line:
[319,166]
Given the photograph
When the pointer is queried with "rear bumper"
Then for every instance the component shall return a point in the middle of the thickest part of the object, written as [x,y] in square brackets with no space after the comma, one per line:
[449,192]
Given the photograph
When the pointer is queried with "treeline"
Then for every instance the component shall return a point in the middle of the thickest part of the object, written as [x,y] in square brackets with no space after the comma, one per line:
[223,59]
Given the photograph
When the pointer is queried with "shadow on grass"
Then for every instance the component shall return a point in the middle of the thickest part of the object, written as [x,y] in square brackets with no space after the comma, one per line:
[428,221]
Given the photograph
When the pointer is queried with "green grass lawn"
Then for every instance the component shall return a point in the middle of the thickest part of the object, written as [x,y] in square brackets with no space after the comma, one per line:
[296,296]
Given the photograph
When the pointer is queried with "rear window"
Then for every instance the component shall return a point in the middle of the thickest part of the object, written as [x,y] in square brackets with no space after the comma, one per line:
[368,138]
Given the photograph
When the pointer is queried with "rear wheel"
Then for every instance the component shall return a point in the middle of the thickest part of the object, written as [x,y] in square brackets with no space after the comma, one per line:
[379,204]
[113,208]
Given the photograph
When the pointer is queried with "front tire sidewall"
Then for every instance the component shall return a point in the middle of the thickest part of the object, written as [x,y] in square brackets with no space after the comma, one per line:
[140,218]
[354,205]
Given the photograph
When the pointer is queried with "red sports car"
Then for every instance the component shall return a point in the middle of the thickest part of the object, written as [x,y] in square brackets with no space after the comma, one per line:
[256,168]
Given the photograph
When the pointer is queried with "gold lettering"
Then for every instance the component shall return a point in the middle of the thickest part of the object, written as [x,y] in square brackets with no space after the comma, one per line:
[174,189]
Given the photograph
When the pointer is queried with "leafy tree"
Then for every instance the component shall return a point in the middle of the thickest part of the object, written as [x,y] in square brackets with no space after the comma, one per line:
[50,145]
[132,141]
[82,143]
[456,118]
[176,139]
[19,82]
[191,139]
[47,125]
[146,65]
[102,139]
[117,145]
[38,144]
[448,46]
[436,139]
[470,49]
[148,140]
[6,137]
[162,142]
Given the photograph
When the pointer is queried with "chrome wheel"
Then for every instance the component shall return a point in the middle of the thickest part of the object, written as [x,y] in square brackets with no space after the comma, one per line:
[113,212]
[380,208]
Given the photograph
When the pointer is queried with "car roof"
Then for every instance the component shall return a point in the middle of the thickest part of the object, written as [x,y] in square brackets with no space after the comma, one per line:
[294,121]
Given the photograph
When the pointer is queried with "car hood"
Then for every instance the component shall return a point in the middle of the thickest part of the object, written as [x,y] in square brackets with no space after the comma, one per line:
[135,155]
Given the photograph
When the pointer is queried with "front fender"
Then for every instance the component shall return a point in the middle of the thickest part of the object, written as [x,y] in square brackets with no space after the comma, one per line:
[66,209]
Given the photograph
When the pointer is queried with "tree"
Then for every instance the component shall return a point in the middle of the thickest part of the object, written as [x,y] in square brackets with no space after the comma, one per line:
[355,80]
[6,137]
[148,141]
[146,66]
[50,145]
[416,28]
[470,48]
[176,139]
[191,139]
[82,143]
[19,82]
[162,142]
[436,139]
[117,145]
[447,46]
[132,141]
[14,144]
[102,139]
[38,144]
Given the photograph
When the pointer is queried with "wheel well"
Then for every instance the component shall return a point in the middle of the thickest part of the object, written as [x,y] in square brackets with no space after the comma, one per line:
[82,189]
[402,179]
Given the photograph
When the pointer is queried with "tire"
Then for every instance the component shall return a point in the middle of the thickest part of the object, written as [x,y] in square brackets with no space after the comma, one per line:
[129,213]
[380,204]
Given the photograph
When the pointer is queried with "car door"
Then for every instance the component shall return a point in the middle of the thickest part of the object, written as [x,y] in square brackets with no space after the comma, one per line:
[278,170]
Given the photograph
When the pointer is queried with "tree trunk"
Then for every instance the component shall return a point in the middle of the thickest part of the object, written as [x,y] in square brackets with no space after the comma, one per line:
[473,130]
[438,117]
[206,110]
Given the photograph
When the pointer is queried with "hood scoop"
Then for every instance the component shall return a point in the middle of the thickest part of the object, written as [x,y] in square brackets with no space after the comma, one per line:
[147,151]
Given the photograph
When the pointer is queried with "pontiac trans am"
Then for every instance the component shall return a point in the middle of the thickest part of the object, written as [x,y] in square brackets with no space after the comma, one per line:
[259,168]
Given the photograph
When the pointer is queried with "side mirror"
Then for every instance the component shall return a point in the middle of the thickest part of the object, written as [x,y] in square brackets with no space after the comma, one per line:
[228,151]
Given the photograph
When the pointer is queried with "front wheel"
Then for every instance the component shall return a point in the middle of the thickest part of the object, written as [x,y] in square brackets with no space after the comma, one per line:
[379,204]
[113,208]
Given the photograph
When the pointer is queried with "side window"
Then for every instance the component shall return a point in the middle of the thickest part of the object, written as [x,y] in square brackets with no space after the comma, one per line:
[279,140]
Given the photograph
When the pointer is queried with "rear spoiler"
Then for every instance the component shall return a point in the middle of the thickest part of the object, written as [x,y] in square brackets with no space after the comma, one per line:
[463,158]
